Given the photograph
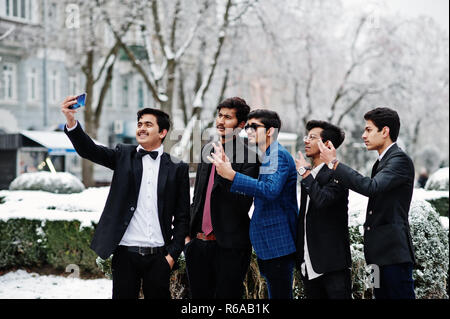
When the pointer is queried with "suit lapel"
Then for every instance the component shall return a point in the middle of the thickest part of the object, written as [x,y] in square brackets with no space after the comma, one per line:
[162,178]
[385,158]
[137,171]
[324,175]
[303,198]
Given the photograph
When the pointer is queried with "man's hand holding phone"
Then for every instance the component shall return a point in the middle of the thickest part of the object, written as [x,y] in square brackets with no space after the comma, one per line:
[69,108]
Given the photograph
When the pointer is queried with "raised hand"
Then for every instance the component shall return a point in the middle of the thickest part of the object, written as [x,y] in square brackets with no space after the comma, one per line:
[327,154]
[301,161]
[69,113]
[222,163]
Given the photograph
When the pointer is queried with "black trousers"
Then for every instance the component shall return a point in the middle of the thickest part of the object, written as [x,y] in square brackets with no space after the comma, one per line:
[396,282]
[214,271]
[130,270]
[332,285]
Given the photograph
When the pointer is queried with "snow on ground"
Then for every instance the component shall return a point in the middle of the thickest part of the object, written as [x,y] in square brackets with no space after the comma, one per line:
[22,285]
[86,206]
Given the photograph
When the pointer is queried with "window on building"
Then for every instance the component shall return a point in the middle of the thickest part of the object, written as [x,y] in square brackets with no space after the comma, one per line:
[109,100]
[20,9]
[125,91]
[140,94]
[73,87]
[33,87]
[9,87]
[53,87]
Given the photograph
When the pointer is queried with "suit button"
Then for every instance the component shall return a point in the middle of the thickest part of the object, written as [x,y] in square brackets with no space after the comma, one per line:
[368,228]
[126,223]
[132,209]
[370,213]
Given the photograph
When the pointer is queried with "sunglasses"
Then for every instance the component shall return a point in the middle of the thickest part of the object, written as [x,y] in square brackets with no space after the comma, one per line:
[253,126]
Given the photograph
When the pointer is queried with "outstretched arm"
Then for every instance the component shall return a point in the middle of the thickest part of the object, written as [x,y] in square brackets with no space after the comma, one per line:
[82,143]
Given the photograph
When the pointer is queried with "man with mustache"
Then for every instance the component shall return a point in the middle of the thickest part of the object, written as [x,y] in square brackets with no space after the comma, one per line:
[387,238]
[146,215]
[218,248]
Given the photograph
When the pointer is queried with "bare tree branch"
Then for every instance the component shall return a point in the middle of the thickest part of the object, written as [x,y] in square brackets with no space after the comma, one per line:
[7,33]
[157,24]
[198,100]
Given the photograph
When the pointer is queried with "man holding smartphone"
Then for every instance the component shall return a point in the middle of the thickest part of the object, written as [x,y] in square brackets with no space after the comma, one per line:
[146,215]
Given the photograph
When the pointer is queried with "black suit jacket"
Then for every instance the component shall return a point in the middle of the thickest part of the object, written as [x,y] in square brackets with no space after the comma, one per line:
[173,194]
[229,211]
[387,238]
[326,223]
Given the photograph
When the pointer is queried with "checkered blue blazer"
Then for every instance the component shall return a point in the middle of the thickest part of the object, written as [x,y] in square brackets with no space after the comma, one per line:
[273,225]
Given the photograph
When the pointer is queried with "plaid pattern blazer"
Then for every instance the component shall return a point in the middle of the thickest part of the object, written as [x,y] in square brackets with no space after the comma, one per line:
[273,225]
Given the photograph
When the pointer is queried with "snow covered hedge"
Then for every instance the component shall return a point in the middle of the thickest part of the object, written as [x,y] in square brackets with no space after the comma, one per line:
[430,241]
[59,243]
[438,180]
[59,183]
[39,228]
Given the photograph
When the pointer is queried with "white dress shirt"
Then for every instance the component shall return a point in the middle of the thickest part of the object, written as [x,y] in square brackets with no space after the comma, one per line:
[144,229]
[307,265]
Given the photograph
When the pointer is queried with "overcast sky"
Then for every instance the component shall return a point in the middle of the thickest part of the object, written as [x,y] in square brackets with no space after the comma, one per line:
[438,9]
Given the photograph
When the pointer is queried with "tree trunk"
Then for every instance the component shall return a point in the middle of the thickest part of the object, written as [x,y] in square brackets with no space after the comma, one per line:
[89,123]
[167,106]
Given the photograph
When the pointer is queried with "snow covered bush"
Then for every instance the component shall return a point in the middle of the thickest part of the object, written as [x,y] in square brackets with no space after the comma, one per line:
[430,241]
[438,180]
[59,183]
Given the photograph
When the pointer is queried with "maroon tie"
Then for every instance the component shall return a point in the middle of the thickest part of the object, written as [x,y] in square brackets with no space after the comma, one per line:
[206,223]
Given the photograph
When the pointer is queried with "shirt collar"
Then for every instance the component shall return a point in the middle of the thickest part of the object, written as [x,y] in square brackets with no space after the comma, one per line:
[382,154]
[160,149]
[316,170]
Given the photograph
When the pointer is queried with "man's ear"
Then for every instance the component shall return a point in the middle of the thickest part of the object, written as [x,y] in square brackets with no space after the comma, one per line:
[163,133]
[241,125]
[386,131]
[270,131]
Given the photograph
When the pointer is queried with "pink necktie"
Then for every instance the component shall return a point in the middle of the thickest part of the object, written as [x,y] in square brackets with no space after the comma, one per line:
[206,223]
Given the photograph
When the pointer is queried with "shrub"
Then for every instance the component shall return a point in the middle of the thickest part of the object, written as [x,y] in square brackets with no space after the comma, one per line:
[62,183]
[21,243]
[440,205]
[430,242]
[67,243]
[29,243]
[438,180]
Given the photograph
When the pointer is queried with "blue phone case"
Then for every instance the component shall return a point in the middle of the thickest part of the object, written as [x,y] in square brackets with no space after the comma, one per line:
[81,101]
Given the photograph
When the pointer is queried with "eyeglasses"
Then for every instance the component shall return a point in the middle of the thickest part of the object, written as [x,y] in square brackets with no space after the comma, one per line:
[253,126]
[310,138]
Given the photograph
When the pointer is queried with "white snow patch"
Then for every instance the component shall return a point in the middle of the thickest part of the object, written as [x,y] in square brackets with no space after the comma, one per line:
[23,285]
[444,222]
[85,207]
[439,180]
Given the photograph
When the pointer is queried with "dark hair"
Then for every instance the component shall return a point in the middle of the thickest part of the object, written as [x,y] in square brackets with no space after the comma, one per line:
[237,103]
[384,116]
[268,118]
[330,132]
[162,118]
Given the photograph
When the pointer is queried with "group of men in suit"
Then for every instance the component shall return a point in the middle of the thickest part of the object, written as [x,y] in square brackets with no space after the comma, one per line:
[148,219]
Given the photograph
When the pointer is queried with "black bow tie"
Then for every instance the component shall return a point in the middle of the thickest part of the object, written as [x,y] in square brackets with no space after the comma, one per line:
[153,154]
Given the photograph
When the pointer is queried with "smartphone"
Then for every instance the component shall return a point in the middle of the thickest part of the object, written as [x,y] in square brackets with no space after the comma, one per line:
[81,101]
